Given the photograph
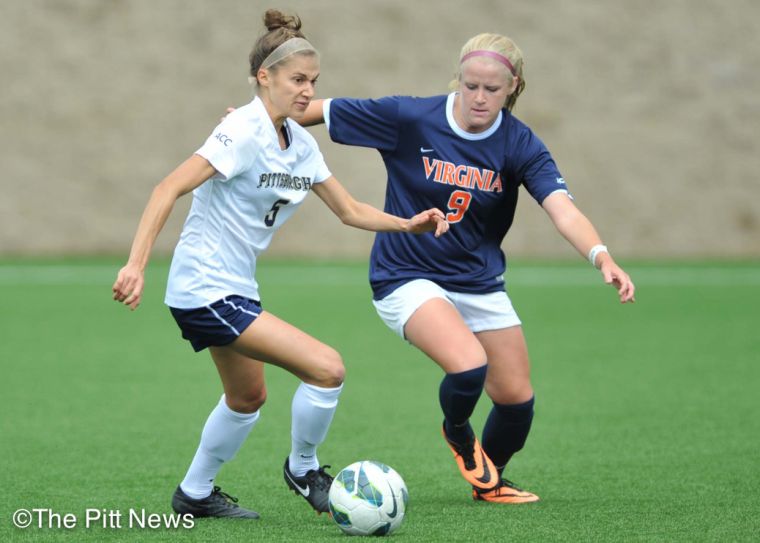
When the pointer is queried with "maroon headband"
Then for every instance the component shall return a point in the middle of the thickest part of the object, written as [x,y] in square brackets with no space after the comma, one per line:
[492,54]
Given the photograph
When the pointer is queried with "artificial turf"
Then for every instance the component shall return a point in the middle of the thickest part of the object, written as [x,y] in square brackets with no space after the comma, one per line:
[647,422]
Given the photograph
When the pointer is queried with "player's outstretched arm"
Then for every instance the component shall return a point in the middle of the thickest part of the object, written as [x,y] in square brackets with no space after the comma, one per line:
[366,217]
[582,235]
[312,116]
[130,281]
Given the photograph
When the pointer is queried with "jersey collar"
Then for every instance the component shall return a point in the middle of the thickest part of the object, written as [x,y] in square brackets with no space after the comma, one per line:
[463,133]
[258,103]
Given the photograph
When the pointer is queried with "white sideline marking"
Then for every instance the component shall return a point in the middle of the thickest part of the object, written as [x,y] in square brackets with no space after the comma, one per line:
[301,274]
[30,274]
[676,275]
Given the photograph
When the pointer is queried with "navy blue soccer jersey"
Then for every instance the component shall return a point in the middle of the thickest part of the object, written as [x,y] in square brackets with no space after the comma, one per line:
[432,162]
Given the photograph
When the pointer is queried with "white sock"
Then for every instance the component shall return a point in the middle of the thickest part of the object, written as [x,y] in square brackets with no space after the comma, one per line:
[224,433]
[313,410]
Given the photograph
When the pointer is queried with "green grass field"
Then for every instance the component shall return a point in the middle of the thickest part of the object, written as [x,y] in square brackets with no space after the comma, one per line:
[647,420]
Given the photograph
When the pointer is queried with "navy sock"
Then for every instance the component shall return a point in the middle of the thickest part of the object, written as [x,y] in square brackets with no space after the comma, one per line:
[458,394]
[506,430]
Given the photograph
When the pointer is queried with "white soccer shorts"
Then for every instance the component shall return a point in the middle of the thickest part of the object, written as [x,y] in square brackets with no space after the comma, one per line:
[480,312]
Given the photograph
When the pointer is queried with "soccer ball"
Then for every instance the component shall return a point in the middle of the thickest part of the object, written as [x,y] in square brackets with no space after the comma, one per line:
[368,498]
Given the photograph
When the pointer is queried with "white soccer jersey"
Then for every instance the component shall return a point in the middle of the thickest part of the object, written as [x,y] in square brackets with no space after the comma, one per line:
[235,213]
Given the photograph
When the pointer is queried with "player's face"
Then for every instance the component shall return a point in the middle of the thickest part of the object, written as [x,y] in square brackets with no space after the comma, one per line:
[483,88]
[291,86]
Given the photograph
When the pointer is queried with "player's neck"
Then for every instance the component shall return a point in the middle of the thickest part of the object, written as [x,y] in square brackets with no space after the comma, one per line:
[277,118]
[278,121]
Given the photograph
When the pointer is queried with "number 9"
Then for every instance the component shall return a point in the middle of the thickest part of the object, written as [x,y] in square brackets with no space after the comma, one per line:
[458,204]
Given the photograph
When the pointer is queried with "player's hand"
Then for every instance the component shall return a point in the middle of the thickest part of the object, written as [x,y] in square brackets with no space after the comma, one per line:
[128,287]
[615,276]
[431,220]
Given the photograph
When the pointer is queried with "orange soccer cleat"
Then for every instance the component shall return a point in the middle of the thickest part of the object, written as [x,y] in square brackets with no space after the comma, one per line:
[473,462]
[505,492]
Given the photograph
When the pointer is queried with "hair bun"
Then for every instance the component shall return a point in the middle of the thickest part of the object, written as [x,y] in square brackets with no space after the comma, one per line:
[274,19]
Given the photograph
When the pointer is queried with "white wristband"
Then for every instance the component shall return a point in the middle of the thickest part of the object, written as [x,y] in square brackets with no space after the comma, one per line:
[594,252]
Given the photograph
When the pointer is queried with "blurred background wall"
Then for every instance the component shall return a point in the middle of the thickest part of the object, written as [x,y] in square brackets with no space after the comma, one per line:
[650,108]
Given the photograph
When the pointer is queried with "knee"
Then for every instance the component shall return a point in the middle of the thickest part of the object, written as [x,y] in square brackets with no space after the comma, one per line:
[248,401]
[329,370]
[513,392]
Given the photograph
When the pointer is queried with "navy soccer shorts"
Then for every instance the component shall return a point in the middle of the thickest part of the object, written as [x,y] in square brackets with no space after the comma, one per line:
[217,324]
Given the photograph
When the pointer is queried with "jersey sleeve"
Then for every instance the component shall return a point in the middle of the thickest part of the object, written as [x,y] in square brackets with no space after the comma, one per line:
[536,168]
[365,123]
[231,148]
[310,154]
[322,171]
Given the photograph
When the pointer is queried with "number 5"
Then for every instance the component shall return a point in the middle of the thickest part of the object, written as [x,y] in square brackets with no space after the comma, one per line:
[272,214]
[458,204]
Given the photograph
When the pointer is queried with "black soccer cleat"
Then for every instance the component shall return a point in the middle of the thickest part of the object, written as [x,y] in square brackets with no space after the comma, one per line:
[314,486]
[217,504]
